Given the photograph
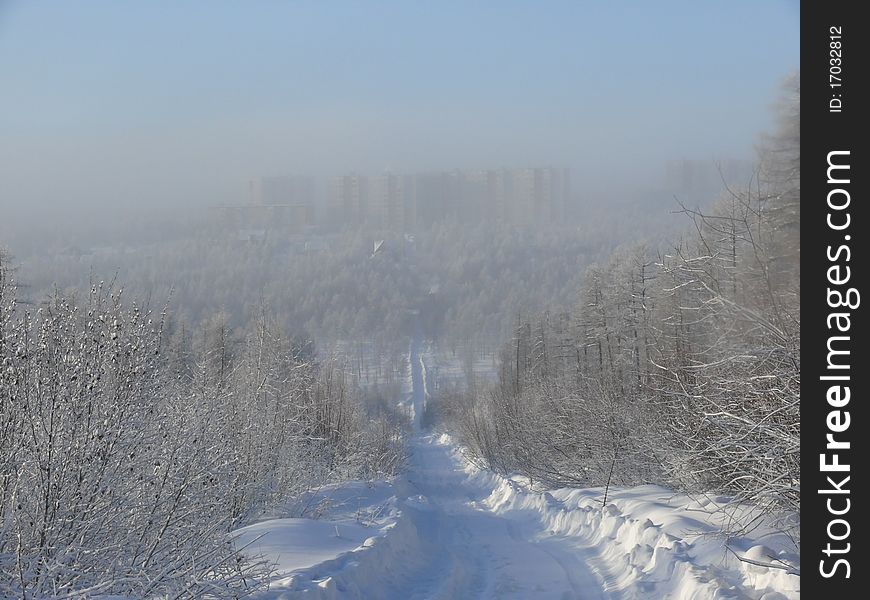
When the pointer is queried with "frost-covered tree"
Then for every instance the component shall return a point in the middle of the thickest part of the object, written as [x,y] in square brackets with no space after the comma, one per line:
[129,455]
[684,365]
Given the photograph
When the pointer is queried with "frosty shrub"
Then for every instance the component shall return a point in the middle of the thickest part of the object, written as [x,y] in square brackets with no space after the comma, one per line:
[128,453]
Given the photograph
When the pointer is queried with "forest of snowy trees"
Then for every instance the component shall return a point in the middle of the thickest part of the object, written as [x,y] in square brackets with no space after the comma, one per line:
[464,281]
[679,366]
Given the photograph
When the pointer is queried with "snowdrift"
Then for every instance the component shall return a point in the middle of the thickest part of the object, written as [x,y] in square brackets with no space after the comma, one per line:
[645,543]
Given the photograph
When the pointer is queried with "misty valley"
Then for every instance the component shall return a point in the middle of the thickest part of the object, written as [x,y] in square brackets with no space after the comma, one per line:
[381,302]
[165,393]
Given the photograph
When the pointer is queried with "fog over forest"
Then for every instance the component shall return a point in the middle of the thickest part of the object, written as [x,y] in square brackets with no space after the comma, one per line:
[409,271]
[456,256]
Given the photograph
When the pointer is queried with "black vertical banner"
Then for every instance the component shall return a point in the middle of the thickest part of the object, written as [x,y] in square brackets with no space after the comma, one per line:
[835,421]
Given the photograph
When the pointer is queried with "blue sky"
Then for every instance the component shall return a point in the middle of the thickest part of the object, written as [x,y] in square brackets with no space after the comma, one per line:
[167,102]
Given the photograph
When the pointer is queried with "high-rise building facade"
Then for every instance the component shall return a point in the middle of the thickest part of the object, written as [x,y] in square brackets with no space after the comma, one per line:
[387,202]
[349,199]
[538,195]
[519,196]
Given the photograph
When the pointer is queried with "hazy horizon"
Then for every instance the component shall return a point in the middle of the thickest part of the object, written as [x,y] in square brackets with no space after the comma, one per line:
[161,105]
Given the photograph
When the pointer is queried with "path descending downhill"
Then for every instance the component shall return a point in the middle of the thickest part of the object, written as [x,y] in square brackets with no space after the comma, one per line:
[447,542]
[471,552]
[445,530]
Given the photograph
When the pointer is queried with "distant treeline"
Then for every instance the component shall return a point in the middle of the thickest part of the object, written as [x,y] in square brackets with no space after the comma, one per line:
[460,285]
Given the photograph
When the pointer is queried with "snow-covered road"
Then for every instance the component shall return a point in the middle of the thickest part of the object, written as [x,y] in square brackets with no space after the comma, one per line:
[446,530]
[469,550]
[473,552]
[446,541]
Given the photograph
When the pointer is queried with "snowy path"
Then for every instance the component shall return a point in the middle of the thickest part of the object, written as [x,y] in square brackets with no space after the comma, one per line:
[418,392]
[447,542]
[447,531]
[476,553]
[471,552]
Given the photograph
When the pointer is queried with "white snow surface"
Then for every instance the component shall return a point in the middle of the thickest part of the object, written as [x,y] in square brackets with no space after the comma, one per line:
[415,389]
[448,530]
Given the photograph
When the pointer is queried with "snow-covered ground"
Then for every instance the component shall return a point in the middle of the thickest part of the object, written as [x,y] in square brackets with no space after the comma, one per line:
[447,530]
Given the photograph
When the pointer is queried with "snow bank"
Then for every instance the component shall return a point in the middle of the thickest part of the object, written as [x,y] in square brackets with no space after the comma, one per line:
[311,562]
[295,544]
[650,542]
